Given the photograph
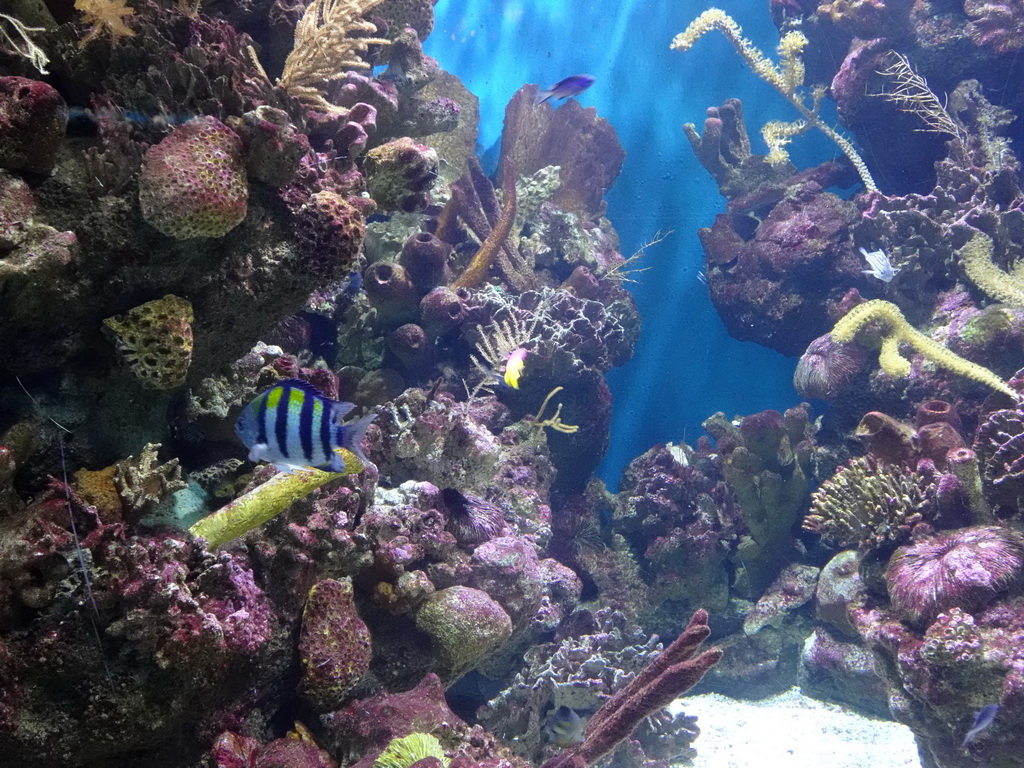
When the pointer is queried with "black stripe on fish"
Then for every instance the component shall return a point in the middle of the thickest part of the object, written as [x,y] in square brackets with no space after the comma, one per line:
[325,431]
[261,420]
[281,422]
[306,427]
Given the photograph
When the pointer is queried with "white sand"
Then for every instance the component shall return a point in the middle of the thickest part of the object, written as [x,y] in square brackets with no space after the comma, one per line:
[793,731]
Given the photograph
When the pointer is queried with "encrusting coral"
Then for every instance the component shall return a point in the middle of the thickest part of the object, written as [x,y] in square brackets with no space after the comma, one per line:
[155,341]
[898,331]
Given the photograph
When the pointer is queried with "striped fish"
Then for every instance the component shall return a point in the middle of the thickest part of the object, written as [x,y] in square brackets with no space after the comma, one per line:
[293,426]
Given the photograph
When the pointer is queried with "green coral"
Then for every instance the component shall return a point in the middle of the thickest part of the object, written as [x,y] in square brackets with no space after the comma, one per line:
[465,625]
[898,331]
[403,752]
[866,504]
[1007,287]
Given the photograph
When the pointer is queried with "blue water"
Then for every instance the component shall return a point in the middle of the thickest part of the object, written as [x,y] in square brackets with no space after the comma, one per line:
[686,367]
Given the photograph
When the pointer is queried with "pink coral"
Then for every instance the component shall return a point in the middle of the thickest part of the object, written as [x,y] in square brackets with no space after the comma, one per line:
[193,183]
[998,25]
[958,569]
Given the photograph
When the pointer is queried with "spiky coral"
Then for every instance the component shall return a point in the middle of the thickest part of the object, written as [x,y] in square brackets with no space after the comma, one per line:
[105,16]
[786,77]
[865,505]
[899,331]
[325,48]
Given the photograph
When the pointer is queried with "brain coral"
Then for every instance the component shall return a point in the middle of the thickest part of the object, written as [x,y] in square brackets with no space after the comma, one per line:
[155,340]
[193,183]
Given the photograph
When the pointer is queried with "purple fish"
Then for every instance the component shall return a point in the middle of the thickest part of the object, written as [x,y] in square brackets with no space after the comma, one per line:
[563,89]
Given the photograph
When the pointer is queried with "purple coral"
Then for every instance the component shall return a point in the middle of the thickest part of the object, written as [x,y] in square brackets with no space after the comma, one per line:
[997,24]
[964,569]
[828,368]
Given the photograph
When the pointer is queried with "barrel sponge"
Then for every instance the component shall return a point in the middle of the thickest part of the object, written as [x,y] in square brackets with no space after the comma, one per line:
[155,341]
[193,183]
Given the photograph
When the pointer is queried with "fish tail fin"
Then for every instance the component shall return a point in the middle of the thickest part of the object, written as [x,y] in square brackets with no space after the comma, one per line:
[350,437]
[542,97]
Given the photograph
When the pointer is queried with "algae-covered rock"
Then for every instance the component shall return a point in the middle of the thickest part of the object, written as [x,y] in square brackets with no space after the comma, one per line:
[465,625]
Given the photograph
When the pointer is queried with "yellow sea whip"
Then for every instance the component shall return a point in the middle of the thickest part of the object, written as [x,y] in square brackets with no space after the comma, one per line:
[266,501]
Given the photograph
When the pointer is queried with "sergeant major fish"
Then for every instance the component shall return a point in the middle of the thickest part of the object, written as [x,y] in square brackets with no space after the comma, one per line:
[563,89]
[293,426]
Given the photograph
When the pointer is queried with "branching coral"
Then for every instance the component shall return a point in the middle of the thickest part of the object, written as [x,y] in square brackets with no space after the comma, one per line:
[912,94]
[20,42]
[786,77]
[105,16]
[478,268]
[325,48]
[899,331]
[866,505]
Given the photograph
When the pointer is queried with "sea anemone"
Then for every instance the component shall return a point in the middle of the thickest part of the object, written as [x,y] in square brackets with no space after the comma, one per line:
[828,367]
[956,569]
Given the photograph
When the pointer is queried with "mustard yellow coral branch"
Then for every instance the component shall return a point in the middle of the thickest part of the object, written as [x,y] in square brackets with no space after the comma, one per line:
[266,501]
[1002,286]
[898,331]
[786,77]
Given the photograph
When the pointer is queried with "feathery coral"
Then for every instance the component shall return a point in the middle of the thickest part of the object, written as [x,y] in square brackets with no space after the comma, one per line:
[105,16]
[785,77]
[325,48]
[26,48]
[899,331]
[266,501]
[912,94]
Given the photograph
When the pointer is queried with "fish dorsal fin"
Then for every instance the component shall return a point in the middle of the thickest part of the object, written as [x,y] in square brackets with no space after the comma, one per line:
[305,386]
[339,410]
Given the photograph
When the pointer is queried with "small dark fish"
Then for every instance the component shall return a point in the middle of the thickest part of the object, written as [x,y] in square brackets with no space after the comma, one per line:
[564,728]
[293,426]
[563,89]
[982,720]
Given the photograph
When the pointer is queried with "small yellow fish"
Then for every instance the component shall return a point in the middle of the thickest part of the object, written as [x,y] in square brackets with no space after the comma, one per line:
[514,367]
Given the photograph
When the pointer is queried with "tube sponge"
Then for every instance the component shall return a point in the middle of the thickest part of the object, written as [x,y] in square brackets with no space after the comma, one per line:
[898,331]
[266,501]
